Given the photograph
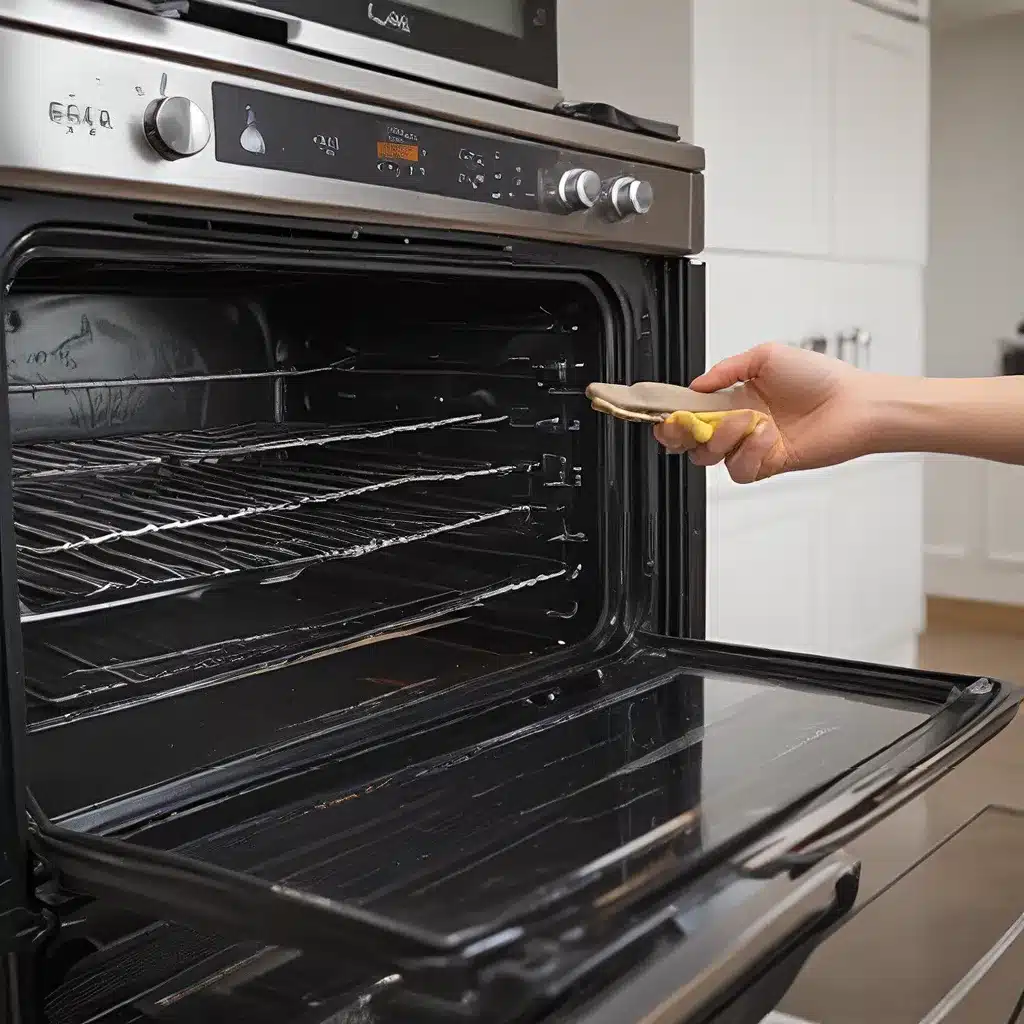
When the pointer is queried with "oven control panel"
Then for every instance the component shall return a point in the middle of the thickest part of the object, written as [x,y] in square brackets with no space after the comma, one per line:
[261,129]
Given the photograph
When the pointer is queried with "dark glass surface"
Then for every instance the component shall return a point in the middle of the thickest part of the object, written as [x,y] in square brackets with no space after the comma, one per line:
[498,15]
[448,29]
[325,141]
[483,832]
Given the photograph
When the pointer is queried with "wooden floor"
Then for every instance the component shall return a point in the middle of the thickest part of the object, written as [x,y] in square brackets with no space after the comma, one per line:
[842,983]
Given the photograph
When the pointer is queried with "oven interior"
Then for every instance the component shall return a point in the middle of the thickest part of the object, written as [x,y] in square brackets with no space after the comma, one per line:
[252,503]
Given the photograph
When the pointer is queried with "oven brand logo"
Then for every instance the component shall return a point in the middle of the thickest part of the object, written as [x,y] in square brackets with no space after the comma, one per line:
[399,22]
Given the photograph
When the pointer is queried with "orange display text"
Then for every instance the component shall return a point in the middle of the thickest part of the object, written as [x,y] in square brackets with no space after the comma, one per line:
[397,151]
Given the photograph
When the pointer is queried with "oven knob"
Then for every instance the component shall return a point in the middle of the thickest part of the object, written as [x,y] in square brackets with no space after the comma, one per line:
[629,197]
[176,127]
[578,189]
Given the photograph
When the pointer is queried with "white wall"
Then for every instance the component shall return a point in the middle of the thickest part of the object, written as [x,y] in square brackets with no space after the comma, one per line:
[636,56]
[976,272]
[974,513]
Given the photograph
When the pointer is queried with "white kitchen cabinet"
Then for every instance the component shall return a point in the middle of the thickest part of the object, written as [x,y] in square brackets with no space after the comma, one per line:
[765,553]
[814,116]
[874,563]
[884,300]
[879,161]
[754,298]
[829,561]
[760,90]
[974,531]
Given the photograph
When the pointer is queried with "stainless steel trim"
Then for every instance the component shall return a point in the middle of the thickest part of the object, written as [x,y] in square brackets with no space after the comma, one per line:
[962,989]
[46,76]
[727,945]
[193,44]
[345,45]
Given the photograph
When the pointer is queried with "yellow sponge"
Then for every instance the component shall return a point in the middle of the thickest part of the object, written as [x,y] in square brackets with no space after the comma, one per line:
[702,425]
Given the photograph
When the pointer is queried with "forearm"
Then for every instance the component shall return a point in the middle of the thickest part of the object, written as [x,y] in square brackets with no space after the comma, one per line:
[978,417]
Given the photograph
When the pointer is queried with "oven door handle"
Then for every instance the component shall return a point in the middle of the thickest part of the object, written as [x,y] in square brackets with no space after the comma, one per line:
[720,957]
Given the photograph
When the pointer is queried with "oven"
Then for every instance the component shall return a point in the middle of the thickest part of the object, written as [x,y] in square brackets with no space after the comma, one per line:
[353,666]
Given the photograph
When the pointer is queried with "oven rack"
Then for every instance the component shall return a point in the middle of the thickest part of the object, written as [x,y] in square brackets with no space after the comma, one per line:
[76,457]
[83,668]
[277,546]
[52,517]
[23,386]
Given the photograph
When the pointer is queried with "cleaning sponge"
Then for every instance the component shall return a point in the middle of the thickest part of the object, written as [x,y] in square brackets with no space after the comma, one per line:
[652,402]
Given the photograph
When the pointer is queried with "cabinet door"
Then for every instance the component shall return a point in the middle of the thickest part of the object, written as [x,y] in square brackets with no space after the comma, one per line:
[887,302]
[874,567]
[760,105]
[765,567]
[880,132]
[765,576]
[753,298]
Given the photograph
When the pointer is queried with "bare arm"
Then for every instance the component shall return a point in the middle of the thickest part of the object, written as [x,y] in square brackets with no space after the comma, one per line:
[823,412]
[982,418]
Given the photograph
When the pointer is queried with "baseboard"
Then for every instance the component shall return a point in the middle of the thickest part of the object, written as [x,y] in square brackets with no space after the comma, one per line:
[981,616]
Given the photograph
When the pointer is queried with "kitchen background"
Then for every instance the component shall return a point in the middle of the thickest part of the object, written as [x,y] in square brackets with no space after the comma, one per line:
[864,188]
[864,183]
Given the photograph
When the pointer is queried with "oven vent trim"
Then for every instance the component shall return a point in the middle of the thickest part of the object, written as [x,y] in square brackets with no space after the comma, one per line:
[272,231]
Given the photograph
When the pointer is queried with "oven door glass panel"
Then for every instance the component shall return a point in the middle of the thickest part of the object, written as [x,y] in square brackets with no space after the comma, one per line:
[555,819]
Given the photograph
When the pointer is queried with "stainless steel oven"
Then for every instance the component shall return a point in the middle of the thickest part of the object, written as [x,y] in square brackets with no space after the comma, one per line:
[353,667]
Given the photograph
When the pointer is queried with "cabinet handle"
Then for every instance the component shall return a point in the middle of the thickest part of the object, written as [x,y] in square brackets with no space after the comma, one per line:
[864,349]
[854,347]
[817,343]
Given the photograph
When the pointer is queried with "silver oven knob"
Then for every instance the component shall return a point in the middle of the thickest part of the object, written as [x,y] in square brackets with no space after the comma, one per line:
[629,197]
[578,189]
[176,127]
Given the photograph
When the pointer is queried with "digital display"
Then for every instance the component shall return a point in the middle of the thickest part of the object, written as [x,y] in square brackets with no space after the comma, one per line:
[504,16]
[398,151]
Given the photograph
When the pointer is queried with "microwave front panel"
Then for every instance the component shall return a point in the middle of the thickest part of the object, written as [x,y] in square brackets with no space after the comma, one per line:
[506,48]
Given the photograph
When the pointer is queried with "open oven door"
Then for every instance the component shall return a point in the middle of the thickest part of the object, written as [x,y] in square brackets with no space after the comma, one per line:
[641,840]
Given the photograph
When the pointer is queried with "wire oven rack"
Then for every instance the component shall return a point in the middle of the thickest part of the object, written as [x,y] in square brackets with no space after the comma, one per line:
[277,545]
[117,454]
[23,386]
[84,512]
[76,669]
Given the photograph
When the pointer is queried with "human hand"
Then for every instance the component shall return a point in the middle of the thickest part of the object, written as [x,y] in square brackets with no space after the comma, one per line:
[819,409]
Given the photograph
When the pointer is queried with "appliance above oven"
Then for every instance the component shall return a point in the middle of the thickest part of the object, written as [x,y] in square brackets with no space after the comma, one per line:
[502,48]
